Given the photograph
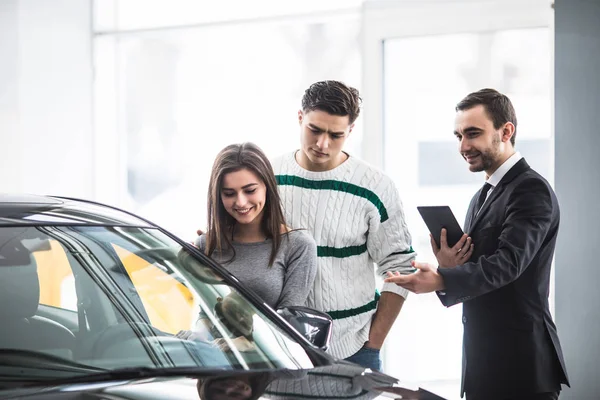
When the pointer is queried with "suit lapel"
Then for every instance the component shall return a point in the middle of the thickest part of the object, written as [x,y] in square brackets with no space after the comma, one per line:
[520,167]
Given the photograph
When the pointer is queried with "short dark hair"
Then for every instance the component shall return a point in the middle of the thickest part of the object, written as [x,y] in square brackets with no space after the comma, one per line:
[333,97]
[498,107]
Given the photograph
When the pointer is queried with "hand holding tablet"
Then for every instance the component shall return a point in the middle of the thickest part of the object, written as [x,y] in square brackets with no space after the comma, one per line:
[450,246]
[438,217]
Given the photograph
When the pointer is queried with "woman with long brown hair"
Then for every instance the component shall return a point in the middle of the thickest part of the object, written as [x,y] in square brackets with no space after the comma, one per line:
[247,232]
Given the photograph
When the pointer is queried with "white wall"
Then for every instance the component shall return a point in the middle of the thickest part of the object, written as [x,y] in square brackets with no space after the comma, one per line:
[9,128]
[577,98]
[46,97]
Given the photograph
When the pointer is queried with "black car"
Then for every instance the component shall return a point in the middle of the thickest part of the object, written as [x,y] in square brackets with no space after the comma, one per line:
[97,303]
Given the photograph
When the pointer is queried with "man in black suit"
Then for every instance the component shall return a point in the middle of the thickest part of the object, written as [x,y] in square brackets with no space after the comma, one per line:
[510,345]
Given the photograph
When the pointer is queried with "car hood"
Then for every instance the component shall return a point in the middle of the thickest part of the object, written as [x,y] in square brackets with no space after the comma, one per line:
[339,381]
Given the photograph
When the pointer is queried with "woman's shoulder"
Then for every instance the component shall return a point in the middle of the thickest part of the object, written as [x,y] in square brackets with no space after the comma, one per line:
[299,237]
[299,245]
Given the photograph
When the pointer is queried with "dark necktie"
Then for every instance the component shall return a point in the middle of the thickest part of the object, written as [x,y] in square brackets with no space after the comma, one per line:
[482,196]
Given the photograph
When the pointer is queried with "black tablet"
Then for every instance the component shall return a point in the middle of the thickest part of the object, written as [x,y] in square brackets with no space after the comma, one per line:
[438,217]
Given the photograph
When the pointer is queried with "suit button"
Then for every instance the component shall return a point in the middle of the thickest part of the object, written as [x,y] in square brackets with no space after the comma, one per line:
[464,319]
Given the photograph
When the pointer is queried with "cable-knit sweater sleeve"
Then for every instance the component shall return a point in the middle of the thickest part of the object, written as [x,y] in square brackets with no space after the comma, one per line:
[389,241]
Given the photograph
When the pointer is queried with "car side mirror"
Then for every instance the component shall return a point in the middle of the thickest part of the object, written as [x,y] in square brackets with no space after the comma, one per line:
[314,325]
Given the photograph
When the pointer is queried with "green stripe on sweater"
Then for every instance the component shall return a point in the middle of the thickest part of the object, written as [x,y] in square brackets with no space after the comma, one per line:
[293,180]
[409,251]
[344,252]
[355,311]
[341,252]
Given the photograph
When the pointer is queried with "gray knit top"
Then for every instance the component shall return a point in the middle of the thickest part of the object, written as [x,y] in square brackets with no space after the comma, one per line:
[287,282]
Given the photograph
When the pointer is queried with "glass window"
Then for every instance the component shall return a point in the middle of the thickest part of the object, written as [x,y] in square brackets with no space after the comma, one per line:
[147,303]
[187,303]
[168,302]
[126,15]
[181,95]
[57,285]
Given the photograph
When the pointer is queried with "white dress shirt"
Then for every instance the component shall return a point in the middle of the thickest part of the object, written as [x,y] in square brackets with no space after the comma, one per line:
[497,176]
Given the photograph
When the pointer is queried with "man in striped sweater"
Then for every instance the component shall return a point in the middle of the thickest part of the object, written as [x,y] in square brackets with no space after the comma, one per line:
[355,215]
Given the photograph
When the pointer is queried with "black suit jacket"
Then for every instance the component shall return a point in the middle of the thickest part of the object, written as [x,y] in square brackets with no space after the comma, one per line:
[510,344]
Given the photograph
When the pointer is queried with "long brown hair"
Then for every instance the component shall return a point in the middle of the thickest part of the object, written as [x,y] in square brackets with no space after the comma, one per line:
[231,159]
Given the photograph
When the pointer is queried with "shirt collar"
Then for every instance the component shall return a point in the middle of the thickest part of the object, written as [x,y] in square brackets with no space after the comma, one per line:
[497,176]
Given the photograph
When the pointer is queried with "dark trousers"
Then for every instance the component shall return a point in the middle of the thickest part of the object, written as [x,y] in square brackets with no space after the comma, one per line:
[531,396]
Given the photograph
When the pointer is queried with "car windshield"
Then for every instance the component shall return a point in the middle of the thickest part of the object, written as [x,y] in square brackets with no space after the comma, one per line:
[81,299]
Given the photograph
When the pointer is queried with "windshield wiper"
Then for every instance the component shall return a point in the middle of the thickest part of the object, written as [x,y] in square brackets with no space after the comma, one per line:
[33,368]
[39,360]
[136,373]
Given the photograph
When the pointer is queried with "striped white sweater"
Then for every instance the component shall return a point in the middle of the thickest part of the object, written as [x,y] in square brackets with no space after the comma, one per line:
[356,217]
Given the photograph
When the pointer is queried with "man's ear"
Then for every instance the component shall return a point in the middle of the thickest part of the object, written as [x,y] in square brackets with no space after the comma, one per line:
[350,130]
[300,117]
[508,131]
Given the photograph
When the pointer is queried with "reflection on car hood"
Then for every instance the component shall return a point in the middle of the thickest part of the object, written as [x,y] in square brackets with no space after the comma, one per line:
[339,381]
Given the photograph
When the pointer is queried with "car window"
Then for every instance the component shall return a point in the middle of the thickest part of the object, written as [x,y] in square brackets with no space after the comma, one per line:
[168,302]
[57,284]
[121,297]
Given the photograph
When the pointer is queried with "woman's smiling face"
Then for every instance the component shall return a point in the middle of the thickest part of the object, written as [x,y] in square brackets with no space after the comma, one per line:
[244,196]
